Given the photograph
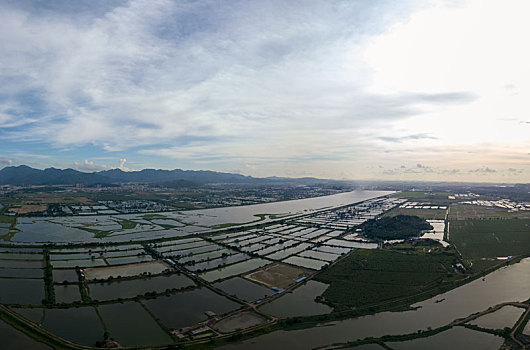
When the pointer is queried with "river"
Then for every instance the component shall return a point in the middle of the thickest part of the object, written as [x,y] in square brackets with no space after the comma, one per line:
[63,229]
[510,283]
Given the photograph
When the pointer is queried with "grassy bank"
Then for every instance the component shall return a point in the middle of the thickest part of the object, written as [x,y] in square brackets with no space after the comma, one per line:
[374,276]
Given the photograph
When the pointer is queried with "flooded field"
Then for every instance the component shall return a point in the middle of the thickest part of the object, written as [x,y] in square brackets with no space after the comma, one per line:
[278,275]
[505,317]
[60,276]
[154,268]
[131,325]
[188,308]
[70,229]
[473,297]
[21,273]
[243,265]
[35,315]
[13,339]
[305,262]
[80,325]
[239,321]
[21,291]
[243,289]
[454,338]
[233,270]
[301,302]
[67,293]
[44,231]
[132,288]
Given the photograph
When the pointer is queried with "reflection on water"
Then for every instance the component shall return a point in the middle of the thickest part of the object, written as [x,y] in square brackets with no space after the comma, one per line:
[460,302]
[13,339]
[61,230]
[505,317]
[301,302]
[454,338]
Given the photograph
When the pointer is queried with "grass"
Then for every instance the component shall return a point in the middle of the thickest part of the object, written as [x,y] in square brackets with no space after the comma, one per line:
[97,233]
[476,239]
[427,214]
[154,216]
[12,221]
[127,224]
[4,219]
[467,211]
[422,195]
[373,276]
[260,217]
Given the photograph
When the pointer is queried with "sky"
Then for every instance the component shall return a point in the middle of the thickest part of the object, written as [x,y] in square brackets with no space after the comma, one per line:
[391,90]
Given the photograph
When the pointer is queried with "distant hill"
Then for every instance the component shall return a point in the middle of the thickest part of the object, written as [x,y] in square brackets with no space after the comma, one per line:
[162,176]
[24,175]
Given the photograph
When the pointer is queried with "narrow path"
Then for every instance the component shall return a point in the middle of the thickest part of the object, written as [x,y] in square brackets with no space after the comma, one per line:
[517,325]
[461,321]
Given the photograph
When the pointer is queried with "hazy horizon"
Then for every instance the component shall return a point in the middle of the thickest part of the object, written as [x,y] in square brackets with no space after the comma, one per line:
[408,91]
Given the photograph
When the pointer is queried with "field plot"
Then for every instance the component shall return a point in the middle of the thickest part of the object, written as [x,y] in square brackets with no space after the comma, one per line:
[67,293]
[491,238]
[467,211]
[239,321]
[21,256]
[36,315]
[300,302]
[21,264]
[80,325]
[333,250]
[131,325]
[454,338]
[69,264]
[129,259]
[437,233]
[208,256]
[15,339]
[69,276]
[350,244]
[233,270]
[21,291]
[314,254]
[215,263]
[72,256]
[282,254]
[428,214]
[243,289]
[132,288]
[278,275]
[21,273]
[188,308]
[305,262]
[370,276]
[505,317]
[152,267]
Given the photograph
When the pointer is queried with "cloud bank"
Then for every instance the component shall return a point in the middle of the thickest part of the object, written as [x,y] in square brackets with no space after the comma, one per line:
[332,87]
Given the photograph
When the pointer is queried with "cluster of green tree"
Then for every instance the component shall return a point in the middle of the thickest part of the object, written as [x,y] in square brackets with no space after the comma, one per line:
[396,227]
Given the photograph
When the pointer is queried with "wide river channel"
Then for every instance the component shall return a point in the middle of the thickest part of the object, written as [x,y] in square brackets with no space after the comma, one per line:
[511,283]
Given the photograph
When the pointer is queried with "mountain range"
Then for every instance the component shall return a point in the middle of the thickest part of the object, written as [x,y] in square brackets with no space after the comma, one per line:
[23,175]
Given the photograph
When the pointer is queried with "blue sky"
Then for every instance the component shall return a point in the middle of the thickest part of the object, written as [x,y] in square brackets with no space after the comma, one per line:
[408,90]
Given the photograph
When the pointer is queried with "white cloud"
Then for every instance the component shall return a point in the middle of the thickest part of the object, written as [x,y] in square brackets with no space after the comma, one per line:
[273,86]
[89,166]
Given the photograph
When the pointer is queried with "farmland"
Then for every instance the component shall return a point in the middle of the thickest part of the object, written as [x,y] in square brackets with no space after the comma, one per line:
[428,214]
[368,277]
[477,239]
[188,279]
[466,211]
